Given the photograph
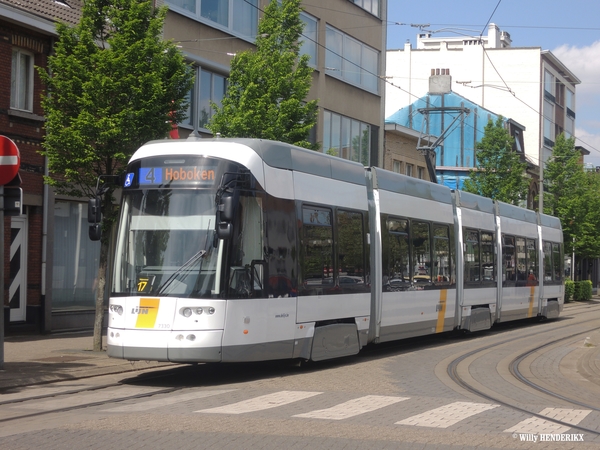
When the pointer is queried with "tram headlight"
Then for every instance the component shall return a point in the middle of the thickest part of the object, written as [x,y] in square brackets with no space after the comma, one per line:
[118,309]
[198,310]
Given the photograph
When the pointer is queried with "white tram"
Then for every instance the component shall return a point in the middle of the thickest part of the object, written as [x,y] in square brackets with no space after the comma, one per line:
[247,250]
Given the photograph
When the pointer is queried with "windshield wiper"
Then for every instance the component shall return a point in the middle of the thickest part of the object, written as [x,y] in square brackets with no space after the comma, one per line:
[185,266]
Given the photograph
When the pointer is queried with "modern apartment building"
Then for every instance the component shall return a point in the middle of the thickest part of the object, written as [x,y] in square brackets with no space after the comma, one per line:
[50,264]
[346,41]
[527,84]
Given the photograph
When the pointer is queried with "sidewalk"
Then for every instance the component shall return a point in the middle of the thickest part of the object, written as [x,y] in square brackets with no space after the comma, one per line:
[30,360]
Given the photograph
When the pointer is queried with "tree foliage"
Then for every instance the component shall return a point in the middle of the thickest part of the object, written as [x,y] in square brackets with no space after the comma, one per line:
[112,85]
[572,195]
[500,173]
[267,87]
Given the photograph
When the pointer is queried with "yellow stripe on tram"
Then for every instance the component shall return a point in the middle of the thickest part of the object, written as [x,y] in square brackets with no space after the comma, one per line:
[147,312]
[442,311]
[531,298]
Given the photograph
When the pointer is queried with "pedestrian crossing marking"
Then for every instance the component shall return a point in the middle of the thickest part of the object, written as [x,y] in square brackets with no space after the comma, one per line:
[537,425]
[170,399]
[353,408]
[447,415]
[261,403]
[572,416]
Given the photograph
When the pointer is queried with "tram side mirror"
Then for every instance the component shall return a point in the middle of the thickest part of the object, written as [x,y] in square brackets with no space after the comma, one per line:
[94,210]
[227,208]
[95,232]
[224,230]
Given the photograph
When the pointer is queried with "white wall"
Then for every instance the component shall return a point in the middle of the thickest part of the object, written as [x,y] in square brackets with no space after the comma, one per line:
[520,68]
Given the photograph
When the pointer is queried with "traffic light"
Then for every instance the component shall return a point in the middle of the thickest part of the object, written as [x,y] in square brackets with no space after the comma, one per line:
[13,201]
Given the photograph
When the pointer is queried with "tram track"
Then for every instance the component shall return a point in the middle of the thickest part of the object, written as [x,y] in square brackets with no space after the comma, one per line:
[454,370]
[88,405]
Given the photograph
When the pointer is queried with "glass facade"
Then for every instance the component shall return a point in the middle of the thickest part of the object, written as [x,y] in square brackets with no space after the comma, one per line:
[237,16]
[346,138]
[75,258]
[351,60]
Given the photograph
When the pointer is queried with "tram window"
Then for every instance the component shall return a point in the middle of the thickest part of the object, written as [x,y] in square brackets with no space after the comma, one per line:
[251,247]
[547,261]
[471,255]
[508,259]
[521,260]
[317,247]
[421,252]
[532,262]
[350,245]
[488,261]
[247,247]
[442,264]
[557,261]
[396,259]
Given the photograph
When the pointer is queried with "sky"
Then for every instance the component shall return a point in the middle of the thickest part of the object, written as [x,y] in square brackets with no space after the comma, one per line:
[570,30]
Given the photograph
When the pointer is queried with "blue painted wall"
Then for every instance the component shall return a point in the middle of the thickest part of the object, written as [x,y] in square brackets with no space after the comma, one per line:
[458,147]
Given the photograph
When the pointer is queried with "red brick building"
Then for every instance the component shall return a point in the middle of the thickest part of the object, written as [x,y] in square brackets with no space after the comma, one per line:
[27,34]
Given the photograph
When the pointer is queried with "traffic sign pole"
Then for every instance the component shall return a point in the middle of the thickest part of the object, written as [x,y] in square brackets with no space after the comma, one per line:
[2,277]
[10,161]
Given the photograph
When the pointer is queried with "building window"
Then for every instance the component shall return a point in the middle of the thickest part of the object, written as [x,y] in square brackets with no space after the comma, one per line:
[371,6]
[548,123]
[211,88]
[548,82]
[569,126]
[350,60]
[309,38]
[570,100]
[409,170]
[75,258]
[421,173]
[237,16]
[21,80]
[396,166]
[346,138]
[560,93]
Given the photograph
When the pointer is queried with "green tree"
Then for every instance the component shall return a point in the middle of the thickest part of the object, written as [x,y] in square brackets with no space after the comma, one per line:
[572,195]
[267,87]
[587,244]
[112,84]
[500,173]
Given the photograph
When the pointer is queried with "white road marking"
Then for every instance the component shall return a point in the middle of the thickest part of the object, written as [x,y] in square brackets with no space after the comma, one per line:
[537,425]
[447,415]
[169,399]
[353,407]
[261,403]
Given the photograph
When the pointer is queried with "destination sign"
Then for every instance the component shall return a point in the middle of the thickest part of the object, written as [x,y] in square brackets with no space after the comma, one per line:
[171,176]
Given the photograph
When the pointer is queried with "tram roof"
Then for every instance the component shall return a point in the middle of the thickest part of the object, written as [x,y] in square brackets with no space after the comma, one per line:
[286,156]
[514,212]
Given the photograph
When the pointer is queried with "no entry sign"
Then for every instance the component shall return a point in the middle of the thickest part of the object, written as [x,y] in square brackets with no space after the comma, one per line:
[10,160]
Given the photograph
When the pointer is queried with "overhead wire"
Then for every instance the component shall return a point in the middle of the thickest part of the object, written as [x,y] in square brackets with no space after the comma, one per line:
[386,80]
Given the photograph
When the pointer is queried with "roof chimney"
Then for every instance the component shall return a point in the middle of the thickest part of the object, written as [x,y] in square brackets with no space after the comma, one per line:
[440,81]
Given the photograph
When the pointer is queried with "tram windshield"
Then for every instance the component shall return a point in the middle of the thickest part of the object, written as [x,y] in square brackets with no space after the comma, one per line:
[165,244]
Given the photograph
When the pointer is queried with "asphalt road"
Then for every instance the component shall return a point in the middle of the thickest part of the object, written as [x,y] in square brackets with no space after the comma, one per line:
[441,392]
